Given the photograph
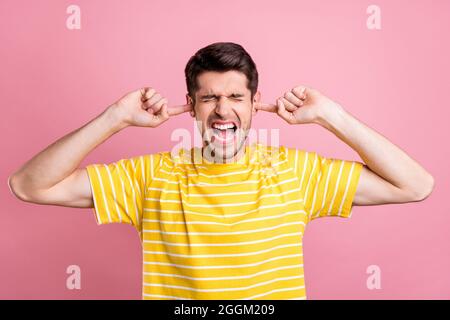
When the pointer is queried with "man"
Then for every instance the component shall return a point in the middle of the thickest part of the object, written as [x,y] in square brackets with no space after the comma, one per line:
[224,221]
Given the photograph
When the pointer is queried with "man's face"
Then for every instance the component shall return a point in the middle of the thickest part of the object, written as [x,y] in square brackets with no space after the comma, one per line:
[223,110]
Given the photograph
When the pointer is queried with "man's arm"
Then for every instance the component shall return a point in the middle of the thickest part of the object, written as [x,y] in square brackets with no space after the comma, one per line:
[389,174]
[53,177]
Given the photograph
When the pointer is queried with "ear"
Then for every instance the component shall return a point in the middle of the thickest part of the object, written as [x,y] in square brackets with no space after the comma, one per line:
[256,100]
[189,101]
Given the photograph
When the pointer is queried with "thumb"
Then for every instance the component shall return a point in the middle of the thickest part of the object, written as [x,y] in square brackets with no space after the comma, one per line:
[164,114]
[283,113]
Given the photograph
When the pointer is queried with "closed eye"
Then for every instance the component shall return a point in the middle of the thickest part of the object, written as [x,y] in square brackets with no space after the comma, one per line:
[208,98]
[236,97]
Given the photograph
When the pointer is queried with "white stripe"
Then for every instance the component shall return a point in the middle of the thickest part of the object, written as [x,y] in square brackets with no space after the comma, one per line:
[279,163]
[224,193]
[330,208]
[141,158]
[213,175]
[310,176]
[221,254]
[123,192]
[224,233]
[103,193]
[276,290]
[184,175]
[221,205]
[315,194]
[151,167]
[297,234]
[196,165]
[171,275]
[223,216]
[325,194]
[228,204]
[221,289]
[346,188]
[134,176]
[163,200]
[295,162]
[161,158]
[113,192]
[304,168]
[133,192]
[230,266]
[277,216]
[202,184]
[316,187]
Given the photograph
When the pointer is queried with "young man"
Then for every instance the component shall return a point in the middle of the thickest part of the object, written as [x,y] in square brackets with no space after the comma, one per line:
[224,221]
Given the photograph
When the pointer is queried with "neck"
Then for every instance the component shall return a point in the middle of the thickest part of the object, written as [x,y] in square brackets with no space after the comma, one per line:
[211,158]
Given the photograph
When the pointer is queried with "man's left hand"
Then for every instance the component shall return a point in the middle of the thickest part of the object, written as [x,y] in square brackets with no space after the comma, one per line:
[301,105]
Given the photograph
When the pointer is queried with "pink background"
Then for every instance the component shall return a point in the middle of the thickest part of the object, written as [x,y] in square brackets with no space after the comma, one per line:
[396,80]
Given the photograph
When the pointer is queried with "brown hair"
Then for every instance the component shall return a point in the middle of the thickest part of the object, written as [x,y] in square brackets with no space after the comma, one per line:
[220,57]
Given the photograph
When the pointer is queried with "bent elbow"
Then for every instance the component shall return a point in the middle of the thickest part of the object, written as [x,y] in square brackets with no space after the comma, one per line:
[428,189]
[16,189]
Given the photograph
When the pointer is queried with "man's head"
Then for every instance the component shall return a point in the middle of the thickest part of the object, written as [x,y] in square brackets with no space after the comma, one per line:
[222,83]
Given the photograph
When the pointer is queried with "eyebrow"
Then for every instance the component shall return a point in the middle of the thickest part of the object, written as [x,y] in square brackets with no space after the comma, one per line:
[233,95]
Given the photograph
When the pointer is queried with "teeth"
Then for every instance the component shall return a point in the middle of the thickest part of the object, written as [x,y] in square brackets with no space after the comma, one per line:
[223,126]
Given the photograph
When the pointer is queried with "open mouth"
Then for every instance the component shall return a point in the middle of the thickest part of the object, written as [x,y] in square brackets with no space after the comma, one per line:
[223,131]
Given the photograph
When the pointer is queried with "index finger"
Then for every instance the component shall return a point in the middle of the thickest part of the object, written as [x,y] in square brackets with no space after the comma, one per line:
[266,107]
[175,110]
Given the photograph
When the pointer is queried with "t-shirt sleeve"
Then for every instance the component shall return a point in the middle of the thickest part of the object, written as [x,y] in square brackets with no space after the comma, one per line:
[328,185]
[119,188]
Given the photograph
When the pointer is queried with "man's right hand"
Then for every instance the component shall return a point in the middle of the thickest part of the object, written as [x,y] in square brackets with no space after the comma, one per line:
[53,177]
[145,107]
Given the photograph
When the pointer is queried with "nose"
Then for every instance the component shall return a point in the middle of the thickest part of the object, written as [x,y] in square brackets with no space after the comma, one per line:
[223,107]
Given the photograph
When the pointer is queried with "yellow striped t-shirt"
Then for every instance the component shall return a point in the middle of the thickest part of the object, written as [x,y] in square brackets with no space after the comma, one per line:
[223,231]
